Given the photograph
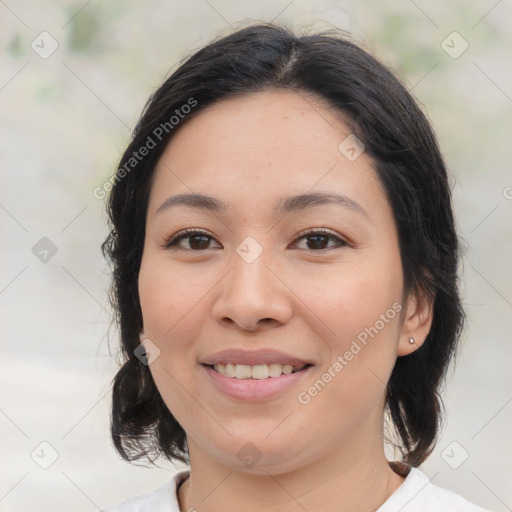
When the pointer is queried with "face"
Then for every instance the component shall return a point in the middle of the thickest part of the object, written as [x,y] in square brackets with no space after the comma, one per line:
[239,290]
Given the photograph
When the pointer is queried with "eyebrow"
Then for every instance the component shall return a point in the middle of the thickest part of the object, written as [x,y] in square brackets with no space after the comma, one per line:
[284,206]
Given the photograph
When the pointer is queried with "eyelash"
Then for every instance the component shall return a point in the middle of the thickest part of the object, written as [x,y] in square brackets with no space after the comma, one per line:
[190,232]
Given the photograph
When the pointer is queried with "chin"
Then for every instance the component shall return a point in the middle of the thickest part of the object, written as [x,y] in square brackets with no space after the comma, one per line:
[258,454]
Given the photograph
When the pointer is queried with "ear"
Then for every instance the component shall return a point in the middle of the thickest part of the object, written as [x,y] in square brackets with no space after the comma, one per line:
[417,322]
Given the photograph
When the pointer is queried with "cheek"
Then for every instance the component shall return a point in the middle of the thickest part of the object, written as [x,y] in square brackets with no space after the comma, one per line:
[167,295]
[357,317]
[347,299]
[172,313]
[170,304]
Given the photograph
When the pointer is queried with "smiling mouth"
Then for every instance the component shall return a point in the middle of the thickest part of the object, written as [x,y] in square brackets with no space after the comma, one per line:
[258,371]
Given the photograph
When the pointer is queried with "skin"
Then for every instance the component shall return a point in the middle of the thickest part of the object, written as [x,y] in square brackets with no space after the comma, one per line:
[250,152]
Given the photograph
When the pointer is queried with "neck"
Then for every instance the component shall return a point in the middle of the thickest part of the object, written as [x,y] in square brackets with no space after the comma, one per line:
[348,479]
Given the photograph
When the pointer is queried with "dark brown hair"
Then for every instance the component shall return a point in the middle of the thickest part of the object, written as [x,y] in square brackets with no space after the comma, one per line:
[399,138]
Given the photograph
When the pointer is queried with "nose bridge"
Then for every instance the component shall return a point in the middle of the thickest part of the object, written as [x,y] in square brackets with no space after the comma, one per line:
[251,292]
[250,267]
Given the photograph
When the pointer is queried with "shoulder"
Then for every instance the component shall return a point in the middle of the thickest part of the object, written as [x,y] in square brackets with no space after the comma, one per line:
[417,494]
[163,499]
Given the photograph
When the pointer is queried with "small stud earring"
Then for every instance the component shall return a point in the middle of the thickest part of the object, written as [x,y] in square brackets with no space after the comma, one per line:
[411,340]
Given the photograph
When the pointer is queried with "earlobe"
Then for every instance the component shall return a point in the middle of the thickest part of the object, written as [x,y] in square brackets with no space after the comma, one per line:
[416,324]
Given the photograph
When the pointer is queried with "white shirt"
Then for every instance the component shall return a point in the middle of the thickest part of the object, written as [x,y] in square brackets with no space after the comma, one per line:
[416,494]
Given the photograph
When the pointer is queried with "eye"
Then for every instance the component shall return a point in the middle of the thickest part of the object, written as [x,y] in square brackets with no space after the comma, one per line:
[197,240]
[319,237]
[200,240]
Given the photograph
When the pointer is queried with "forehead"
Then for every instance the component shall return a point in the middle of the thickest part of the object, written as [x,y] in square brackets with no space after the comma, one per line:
[255,149]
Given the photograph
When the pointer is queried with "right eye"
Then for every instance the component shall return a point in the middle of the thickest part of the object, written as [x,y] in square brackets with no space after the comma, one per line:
[197,240]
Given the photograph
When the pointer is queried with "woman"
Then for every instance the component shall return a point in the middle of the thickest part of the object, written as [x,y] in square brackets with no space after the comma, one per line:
[285,281]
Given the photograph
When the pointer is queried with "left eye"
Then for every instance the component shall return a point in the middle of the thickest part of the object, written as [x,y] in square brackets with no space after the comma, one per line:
[199,240]
[319,239]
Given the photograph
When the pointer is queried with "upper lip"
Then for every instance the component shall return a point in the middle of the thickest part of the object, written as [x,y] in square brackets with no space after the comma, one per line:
[253,357]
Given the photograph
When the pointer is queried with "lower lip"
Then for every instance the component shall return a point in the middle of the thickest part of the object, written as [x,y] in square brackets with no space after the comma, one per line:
[254,389]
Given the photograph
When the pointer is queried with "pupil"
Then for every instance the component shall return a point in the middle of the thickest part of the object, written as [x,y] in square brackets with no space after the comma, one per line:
[324,237]
[203,238]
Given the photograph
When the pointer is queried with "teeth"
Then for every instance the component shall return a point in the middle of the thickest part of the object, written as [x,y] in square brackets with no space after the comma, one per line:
[275,369]
[259,371]
[287,369]
[229,370]
[242,371]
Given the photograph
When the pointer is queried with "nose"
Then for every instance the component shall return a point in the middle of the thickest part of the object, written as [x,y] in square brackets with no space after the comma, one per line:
[253,296]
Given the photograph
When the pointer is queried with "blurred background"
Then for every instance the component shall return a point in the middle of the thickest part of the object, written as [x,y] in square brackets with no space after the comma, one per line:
[74,77]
